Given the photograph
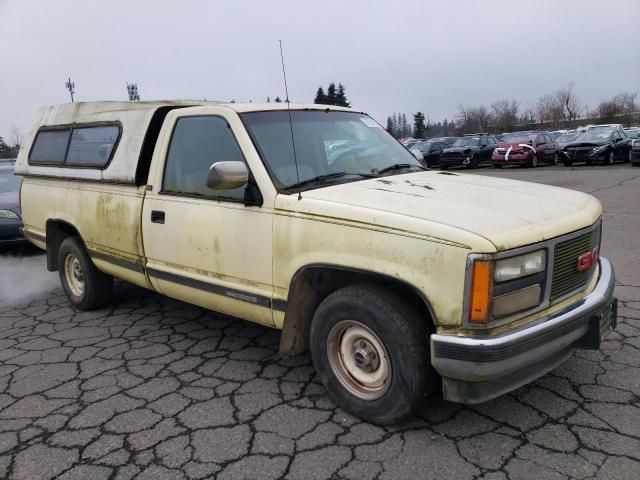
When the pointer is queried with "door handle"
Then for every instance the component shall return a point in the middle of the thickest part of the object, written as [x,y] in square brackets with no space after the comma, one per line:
[157,216]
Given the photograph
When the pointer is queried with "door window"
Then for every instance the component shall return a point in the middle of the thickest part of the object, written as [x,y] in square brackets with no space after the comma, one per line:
[196,144]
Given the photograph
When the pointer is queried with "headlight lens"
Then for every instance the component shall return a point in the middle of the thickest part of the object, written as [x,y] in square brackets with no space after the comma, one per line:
[8,214]
[493,295]
[520,266]
[597,149]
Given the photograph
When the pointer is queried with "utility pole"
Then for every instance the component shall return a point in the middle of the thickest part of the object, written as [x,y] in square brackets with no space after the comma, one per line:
[71,87]
[132,90]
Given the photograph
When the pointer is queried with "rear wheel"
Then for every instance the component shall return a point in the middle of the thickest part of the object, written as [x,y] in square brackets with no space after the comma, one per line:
[611,158]
[555,159]
[370,349]
[86,286]
[628,158]
[533,163]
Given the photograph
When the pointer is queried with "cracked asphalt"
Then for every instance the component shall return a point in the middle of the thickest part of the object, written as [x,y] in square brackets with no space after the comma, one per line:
[153,388]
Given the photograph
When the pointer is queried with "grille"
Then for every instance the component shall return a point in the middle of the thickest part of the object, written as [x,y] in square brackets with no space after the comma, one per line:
[566,276]
[452,155]
[579,153]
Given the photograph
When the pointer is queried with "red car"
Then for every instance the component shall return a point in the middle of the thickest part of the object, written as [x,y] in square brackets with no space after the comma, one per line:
[526,148]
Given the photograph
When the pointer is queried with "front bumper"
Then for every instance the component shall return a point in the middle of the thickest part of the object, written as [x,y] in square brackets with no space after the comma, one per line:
[515,159]
[475,370]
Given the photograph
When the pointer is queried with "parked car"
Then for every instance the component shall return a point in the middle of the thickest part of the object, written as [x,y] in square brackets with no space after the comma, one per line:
[398,280]
[10,215]
[410,143]
[428,152]
[635,152]
[557,133]
[529,149]
[469,151]
[606,126]
[605,144]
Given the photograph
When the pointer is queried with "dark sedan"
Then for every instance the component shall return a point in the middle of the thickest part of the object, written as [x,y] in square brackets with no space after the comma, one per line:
[605,145]
[430,151]
[10,221]
[469,151]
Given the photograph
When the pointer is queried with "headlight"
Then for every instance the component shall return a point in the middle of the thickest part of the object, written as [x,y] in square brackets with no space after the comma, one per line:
[495,151]
[598,149]
[493,293]
[520,266]
[8,214]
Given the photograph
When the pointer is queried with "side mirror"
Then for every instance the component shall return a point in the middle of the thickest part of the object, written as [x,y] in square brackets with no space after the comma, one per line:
[227,175]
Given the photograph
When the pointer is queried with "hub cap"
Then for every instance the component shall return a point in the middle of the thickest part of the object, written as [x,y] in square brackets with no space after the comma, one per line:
[74,274]
[359,360]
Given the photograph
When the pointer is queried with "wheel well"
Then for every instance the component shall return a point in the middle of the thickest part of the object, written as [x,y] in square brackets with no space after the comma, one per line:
[311,285]
[57,231]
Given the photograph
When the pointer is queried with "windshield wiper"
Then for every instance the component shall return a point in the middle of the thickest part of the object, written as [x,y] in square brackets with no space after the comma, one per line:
[328,176]
[399,166]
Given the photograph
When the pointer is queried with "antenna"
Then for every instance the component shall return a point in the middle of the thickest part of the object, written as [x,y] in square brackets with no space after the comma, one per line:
[293,142]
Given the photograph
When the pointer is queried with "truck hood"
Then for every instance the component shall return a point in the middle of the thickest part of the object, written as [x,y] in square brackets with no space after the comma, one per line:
[507,213]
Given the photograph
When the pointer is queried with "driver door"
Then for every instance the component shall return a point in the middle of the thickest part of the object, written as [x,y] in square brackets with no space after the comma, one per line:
[203,246]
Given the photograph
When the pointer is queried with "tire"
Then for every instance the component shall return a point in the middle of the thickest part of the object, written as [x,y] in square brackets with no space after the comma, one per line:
[497,165]
[611,158]
[86,286]
[554,161]
[374,325]
[628,157]
[444,166]
[533,163]
[568,163]
[635,164]
[475,161]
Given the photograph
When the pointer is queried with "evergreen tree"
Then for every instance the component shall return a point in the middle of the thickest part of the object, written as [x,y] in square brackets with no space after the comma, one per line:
[321,98]
[341,97]
[404,126]
[396,125]
[277,100]
[418,125]
[390,125]
[331,94]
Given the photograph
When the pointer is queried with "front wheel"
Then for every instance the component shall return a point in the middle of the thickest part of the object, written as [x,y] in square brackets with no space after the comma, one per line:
[533,163]
[611,158]
[370,350]
[86,286]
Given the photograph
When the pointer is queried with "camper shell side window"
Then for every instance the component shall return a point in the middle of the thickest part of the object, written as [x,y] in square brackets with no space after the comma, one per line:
[79,145]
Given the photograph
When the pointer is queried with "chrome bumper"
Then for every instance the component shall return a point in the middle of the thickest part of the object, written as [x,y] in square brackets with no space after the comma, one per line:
[475,370]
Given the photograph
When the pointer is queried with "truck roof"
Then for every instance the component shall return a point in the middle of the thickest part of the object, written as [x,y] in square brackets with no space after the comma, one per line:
[78,112]
[138,124]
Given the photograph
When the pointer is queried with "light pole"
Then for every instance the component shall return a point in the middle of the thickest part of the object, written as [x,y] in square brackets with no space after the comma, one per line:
[71,87]
[132,90]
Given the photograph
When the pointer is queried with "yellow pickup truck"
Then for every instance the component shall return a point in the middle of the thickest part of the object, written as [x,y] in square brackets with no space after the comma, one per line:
[313,220]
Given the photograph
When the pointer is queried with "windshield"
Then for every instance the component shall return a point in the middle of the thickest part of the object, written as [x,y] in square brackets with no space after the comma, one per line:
[633,133]
[598,135]
[467,142]
[567,137]
[8,181]
[519,138]
[325,143]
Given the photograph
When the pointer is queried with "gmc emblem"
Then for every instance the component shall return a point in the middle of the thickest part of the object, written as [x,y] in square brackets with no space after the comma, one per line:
[587,260]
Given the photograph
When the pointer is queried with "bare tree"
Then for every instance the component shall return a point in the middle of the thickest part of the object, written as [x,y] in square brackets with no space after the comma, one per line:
[549,110]
[15,136]
[621,108]
[505,114]
[569,101]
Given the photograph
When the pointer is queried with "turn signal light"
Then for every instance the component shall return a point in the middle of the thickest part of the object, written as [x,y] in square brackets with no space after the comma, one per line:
[480,292]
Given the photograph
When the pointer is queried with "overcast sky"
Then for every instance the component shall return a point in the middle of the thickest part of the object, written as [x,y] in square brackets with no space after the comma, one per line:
[400,55]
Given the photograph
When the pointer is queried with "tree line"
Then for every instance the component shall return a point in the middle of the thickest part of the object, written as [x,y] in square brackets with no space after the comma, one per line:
[9,148]
[559,109]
